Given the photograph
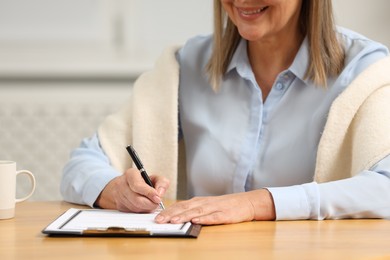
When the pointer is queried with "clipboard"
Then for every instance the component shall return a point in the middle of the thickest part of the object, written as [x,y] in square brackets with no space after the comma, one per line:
[112,223]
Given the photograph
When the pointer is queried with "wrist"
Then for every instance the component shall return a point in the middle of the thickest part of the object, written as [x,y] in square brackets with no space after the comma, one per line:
[264,207]
[105,199]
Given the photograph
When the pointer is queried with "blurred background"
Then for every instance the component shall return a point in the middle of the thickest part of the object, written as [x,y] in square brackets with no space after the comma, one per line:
[66,64]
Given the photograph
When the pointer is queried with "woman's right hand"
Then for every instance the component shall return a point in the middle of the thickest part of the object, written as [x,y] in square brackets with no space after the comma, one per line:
[130,193]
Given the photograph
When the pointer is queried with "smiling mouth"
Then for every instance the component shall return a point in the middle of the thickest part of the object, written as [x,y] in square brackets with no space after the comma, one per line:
[253,11]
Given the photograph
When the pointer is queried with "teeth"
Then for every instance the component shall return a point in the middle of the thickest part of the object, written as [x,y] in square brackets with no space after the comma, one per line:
[253,11]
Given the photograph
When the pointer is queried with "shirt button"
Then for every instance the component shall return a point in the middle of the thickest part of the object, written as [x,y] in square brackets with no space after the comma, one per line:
[279,86]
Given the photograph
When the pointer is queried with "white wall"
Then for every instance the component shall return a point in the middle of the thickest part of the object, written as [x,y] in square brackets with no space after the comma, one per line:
[93,38]
[66,64]
[370,18]
[42,121]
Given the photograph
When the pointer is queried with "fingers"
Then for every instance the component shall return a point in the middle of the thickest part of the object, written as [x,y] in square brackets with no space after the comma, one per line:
[161,184]
[211,219]
[137,185]
[132,194]
[180,212]
[129,201]
[225,209]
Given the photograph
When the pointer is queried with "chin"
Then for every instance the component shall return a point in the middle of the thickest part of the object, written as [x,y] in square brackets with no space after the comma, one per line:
[252,37]
[251,34]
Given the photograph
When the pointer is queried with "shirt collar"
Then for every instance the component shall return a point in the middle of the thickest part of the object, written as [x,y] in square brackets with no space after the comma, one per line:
[240,60]
[301,61]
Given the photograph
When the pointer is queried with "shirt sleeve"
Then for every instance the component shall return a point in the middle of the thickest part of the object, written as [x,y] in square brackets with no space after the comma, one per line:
[364,196]
[87,173]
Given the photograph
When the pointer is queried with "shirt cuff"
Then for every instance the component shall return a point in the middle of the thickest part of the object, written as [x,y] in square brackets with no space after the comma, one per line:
[296,202]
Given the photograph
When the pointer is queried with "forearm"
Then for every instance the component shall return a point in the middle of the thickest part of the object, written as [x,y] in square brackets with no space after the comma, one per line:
[86,174]
[363,196]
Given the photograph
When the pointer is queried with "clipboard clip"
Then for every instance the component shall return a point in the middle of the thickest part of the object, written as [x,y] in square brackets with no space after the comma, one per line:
[112,231]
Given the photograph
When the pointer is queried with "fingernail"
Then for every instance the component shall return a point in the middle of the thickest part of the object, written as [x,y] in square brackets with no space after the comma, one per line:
[160,191]
[156,199]
[175,219]
[159,218]
[195,220]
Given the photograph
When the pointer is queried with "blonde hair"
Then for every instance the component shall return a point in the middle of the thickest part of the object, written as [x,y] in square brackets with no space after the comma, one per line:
[316,21]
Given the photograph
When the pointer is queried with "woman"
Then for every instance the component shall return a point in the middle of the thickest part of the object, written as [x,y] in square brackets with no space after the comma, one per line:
[259,118]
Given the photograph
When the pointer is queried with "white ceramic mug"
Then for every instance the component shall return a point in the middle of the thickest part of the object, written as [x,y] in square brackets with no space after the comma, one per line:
[8,175]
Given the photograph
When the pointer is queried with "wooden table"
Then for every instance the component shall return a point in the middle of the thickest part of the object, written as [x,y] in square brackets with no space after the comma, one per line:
[21,238]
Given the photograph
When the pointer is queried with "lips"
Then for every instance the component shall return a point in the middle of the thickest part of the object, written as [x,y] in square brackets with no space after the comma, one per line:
[251,11]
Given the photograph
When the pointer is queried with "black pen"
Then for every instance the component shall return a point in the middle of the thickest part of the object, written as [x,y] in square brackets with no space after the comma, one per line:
[140,167]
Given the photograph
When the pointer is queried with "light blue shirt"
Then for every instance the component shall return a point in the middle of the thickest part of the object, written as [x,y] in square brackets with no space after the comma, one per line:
[235,142]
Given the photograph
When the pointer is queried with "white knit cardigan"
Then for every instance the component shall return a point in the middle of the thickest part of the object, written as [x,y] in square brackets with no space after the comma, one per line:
[356,135]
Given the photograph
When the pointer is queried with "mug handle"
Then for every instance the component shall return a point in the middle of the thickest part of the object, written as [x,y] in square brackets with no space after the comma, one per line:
[32,178]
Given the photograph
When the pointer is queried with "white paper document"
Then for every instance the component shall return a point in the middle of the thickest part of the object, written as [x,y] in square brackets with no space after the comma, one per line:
[111,222]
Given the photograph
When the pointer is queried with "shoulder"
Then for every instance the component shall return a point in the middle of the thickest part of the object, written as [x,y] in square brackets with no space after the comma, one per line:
[355,43]
[196,51]
[360,51]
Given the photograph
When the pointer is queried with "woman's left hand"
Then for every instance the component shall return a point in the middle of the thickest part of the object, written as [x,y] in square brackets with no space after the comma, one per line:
[225,209]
